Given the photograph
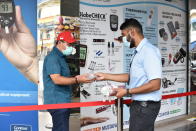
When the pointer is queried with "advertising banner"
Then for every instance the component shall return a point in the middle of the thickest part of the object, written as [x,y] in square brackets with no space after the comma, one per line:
[99,27]
[164,25]
[172,32]
[17,56]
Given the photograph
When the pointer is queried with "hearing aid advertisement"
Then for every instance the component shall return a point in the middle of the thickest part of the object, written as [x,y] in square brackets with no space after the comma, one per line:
[18,66]
[164,25]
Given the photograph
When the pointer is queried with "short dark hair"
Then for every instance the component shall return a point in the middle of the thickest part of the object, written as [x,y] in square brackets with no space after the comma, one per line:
[57,41]
[132,23]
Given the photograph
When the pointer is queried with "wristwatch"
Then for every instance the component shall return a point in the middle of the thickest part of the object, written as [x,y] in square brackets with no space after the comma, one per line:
[128,94]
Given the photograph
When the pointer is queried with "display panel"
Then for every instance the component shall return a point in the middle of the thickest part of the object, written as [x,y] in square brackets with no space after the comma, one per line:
[6,7]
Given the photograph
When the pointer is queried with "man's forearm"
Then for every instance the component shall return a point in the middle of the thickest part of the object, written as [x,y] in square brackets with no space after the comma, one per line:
[117,77]
[61,80]
[151,86]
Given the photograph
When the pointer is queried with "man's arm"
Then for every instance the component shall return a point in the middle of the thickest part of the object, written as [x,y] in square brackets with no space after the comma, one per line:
[151,86]
[112,77]
[61,80]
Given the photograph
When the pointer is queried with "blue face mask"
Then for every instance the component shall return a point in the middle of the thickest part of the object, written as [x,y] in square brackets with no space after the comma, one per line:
[125,42]
[69,51]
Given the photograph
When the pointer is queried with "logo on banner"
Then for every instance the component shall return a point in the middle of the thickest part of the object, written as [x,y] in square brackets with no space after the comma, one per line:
[108,127]
[93,15]
[103,108]
[169,112]
[21,128]
[98,53]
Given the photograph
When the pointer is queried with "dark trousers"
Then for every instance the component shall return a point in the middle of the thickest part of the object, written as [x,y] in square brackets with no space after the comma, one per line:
[60,119]
[143,115]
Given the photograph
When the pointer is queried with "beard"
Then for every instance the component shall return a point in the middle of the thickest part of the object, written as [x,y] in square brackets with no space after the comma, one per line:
[131,40]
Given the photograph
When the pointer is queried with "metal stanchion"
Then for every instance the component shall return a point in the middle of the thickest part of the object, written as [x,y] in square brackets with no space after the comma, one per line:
[119,105]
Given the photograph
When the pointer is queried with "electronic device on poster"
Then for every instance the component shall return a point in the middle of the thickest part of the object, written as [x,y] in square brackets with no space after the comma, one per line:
[114,22]
[83,53]
[7,14]
[172,29]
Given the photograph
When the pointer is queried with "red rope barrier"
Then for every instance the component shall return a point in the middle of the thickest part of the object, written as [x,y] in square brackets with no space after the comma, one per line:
[178,95]
[54,106]
[80,104]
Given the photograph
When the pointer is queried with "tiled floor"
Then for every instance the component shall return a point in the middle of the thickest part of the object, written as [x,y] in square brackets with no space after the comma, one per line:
[176,124]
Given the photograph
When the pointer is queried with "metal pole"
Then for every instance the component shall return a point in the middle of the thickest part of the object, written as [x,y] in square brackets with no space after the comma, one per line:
[119,114]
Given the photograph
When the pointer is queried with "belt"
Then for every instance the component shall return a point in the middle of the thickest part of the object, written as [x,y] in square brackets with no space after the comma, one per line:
[145,103]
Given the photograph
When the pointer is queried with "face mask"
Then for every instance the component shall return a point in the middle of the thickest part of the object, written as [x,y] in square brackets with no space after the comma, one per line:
[125,42]
[69,51]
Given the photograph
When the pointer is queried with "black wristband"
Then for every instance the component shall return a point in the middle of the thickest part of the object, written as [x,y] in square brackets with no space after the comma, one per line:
[76,79]
[128,94]
[127,91]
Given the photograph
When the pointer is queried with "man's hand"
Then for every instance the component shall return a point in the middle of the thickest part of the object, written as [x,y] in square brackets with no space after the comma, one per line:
[119,39]
[19,47]
[100,76]
[120,92]
[84,78]
[113,77]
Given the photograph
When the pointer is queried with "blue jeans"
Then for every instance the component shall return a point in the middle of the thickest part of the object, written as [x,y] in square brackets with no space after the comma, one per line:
[60,119]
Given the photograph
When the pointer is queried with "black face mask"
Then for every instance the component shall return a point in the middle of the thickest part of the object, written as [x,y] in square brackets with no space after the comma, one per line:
[132,41]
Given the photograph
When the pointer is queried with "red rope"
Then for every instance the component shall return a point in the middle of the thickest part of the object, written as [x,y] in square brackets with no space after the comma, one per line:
[80,104]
